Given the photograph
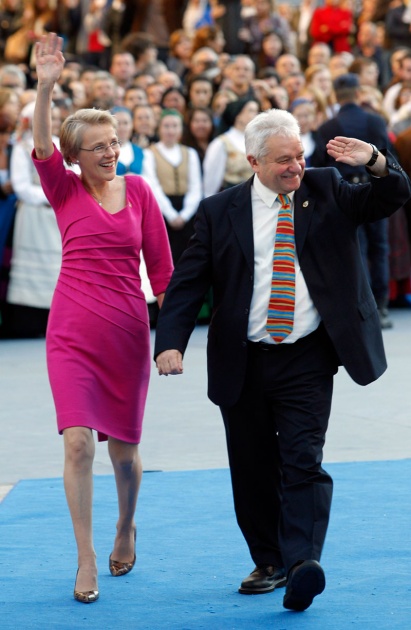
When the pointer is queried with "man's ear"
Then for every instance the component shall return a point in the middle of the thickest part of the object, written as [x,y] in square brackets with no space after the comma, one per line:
[253,162]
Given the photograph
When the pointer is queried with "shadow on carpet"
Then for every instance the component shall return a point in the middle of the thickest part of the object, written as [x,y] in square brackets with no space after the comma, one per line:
[191,557]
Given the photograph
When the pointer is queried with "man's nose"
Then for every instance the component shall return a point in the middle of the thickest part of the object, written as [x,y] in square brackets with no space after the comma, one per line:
[296,166]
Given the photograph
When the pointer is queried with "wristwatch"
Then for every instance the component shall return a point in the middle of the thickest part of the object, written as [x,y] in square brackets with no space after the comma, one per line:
[374,156]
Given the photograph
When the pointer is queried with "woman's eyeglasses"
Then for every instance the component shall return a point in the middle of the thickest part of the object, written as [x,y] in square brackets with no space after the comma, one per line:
[102,148]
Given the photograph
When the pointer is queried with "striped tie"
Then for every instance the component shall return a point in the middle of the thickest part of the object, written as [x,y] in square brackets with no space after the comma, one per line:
[280,318]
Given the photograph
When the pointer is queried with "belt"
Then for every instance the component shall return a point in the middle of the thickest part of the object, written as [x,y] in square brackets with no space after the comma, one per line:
[273,347]
[263,346]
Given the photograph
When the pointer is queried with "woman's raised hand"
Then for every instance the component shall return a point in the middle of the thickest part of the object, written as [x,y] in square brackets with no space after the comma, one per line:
[49,58]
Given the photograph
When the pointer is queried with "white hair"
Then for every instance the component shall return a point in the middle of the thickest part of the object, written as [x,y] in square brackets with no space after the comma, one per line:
[273,122]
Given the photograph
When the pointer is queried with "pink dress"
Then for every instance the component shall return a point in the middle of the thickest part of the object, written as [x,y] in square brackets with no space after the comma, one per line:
[98,336]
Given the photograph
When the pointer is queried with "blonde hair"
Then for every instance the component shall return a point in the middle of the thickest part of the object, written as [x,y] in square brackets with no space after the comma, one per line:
[74,126]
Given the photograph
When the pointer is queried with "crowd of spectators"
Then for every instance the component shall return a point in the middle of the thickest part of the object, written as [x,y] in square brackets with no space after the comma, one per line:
[184,78]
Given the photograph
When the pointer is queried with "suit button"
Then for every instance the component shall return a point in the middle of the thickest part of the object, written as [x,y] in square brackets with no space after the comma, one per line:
[244,344]
[246,311]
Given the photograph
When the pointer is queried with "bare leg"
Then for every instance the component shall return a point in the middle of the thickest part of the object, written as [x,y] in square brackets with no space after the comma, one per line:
[78,483]
[128,471]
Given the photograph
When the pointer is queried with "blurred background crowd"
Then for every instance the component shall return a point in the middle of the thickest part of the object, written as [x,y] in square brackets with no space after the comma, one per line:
[183,79]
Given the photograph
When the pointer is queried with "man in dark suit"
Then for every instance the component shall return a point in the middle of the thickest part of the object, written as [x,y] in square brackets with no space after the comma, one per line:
[353,121]
[275,397]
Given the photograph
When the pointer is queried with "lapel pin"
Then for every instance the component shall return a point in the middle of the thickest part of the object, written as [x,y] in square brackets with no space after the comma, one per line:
[305,204]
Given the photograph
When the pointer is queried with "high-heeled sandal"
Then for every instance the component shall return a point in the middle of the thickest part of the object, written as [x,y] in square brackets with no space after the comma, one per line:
[121,568]
[85,597]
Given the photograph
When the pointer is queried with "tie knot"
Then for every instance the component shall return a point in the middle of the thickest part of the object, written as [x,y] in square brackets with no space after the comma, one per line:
[284,200]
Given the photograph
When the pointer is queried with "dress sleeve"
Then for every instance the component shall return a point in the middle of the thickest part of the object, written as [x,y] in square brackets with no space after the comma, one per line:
[54,177]
[156,247]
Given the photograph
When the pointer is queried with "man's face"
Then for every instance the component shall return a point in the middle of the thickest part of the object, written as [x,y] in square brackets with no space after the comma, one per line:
[134,97]
[123,66]
[144,121]
[104,88]
[319,54]
[286,64]
[282,169]
[241,71]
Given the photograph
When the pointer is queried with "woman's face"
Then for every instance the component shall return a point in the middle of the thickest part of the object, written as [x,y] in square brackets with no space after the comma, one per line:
[249,111]
[98,166]
[323,81]
[201,126]
[218,42]
[272,45]
[305,114]
[184,48]
[125,126]
[175,100]
[281,96]
[369,75]
[201,93]
[170,130]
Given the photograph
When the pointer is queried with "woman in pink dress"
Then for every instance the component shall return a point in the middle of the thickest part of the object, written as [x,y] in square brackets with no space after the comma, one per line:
[98,341]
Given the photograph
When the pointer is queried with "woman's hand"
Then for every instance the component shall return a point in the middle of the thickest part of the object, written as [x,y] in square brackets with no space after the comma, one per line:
[49,58]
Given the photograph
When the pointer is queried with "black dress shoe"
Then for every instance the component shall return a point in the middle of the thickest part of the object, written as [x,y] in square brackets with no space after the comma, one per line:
[305,581]
[263,580]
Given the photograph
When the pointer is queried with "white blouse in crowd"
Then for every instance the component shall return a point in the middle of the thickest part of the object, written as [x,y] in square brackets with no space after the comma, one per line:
[215,160]
[36,251]
[194,192]
[308,143]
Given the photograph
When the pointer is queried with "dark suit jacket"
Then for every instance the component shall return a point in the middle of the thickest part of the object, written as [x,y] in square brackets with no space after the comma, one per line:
[221,254]
[351,121]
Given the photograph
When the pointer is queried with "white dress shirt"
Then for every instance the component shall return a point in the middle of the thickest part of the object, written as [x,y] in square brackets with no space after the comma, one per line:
[265,210]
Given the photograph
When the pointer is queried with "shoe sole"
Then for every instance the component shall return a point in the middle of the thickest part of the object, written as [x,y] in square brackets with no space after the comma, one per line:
[261,591]
[305,584]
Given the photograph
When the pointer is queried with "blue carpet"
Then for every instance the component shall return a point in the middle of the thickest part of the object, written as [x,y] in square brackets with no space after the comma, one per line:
[191,557]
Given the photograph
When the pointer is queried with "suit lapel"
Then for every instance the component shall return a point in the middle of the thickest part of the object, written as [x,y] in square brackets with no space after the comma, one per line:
[241,217]
[304,205]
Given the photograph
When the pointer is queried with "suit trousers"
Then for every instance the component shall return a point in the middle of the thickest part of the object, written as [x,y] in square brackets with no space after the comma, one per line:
[275,436]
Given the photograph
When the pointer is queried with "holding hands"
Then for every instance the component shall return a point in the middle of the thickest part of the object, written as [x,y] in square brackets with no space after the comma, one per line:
[49,58]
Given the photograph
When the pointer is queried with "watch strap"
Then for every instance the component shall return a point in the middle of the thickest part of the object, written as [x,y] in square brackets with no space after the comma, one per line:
[374,156]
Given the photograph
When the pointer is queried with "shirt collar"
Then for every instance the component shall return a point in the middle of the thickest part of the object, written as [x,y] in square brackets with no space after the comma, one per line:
[266,194]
